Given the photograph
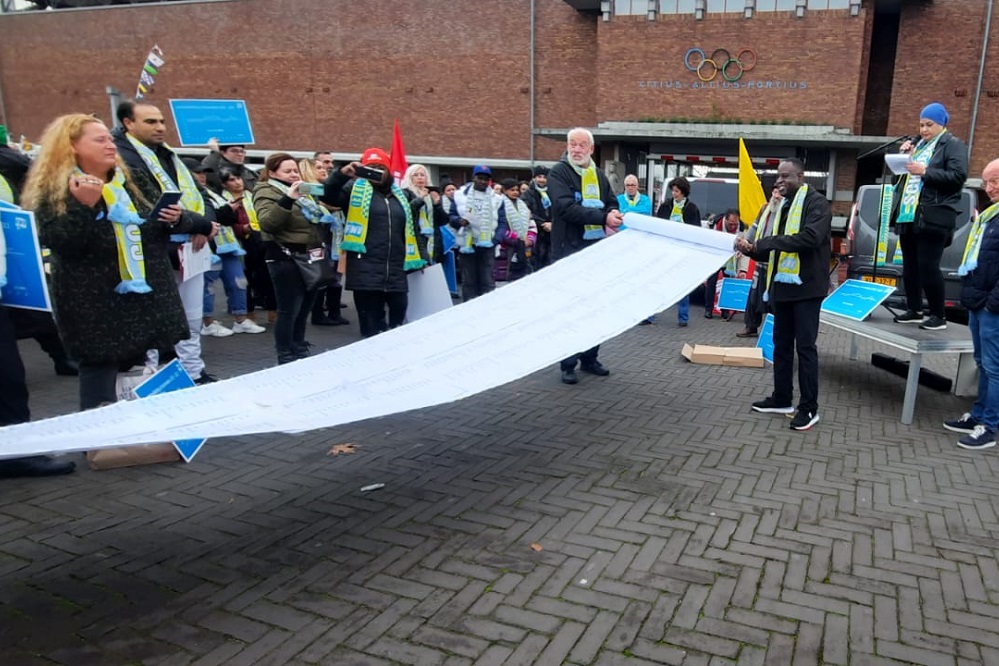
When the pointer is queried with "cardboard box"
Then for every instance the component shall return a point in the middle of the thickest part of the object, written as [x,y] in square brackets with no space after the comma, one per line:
[739,357]
[128,456]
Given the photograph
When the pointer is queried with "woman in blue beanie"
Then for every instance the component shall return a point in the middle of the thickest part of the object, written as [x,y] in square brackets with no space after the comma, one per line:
[925,207]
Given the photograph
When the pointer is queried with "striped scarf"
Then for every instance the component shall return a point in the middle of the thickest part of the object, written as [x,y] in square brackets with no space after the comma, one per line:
[590,186]
[190,196]
[251,212]
[887,197]
[969,260]
[358,216]
[311,210]
[789,266]
[676,214]
[482,219]
[518,218]
[127,236]
[225,241]
[913,184]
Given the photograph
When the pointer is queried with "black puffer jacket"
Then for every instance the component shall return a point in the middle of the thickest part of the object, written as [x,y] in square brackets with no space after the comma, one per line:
[569,216]
[980,287]
[940,196]
[811,243]
[380,268]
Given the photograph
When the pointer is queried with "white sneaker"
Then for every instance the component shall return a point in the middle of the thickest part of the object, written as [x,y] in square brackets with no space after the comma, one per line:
[247,326]
[216,330]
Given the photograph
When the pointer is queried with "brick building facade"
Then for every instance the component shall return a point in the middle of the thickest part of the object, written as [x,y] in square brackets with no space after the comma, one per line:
[335,73]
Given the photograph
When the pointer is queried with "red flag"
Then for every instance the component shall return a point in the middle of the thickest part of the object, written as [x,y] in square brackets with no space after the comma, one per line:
[398,155]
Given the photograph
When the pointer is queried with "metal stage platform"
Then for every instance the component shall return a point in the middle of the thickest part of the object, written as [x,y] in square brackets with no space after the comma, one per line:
[879,327]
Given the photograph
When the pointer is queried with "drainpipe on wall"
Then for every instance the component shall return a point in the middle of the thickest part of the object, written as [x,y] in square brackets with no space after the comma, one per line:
[531,92]
[981,75]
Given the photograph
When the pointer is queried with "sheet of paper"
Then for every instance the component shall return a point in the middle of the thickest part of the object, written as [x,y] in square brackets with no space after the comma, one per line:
[896,162]
[428,293]
[590,297]
[194,263]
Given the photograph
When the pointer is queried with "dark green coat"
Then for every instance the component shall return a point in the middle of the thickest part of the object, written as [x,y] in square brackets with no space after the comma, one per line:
[96,324]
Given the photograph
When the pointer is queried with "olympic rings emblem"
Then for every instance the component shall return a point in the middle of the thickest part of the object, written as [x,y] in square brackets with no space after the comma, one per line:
[720,62]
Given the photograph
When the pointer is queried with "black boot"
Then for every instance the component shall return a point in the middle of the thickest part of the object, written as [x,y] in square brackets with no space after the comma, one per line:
[285,356]
[301,349]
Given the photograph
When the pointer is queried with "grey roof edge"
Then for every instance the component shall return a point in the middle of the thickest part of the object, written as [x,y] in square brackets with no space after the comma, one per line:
[827,135]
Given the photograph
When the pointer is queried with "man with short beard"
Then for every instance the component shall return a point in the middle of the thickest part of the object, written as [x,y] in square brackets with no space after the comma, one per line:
[584,208]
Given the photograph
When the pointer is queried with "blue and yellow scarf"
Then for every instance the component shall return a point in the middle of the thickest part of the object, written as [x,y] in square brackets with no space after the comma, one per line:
[358,214]
[969,260]
[789,267]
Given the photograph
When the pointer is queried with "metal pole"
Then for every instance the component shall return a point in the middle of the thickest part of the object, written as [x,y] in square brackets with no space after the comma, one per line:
[114,97]
[981,74]
[531,95]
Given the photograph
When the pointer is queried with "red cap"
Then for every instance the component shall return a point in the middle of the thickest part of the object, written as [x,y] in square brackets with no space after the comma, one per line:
[375,156]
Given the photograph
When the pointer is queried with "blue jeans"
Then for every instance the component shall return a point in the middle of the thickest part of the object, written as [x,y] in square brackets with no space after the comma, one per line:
[985,336]
[234,281]
[683,310]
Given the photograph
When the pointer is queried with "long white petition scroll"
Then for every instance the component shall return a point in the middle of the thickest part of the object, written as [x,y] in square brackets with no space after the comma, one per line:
[576,303]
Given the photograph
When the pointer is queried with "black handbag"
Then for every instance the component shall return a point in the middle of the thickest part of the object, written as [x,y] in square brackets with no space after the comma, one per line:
[314,266]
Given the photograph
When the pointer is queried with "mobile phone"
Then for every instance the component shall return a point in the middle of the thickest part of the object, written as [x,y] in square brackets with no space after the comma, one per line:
[311,189]
[368,173]
[433,188]
[167,198]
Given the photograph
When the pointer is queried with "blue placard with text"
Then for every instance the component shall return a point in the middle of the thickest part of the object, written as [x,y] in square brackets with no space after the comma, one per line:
[199,120]
[26,287]
[855,299]
[766,340]
[734,294]
[172,377]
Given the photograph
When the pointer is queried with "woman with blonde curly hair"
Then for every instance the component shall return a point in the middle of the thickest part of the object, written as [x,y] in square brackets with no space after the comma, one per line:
[112,286]
[430,216]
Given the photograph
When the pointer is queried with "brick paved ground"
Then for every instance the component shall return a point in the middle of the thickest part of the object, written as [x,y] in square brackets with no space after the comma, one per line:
[675,526]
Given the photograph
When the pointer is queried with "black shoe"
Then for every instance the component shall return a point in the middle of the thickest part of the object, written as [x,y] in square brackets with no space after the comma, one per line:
[645,322]
[65,367]
[339,321]
[772,406]
[595,368]
[804,420]
[569,377]
[746,333]
[909,317]
[205,378]
[933,323]
[323,321]
[301,349]
[344,305]
[35,466]
[709,315]
[681,324]
[966,424]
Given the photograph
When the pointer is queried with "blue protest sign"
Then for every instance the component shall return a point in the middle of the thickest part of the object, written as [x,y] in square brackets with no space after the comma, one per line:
[855,299]
[26,287]
[766,340]
[199,120]
[172,377]
[734,294]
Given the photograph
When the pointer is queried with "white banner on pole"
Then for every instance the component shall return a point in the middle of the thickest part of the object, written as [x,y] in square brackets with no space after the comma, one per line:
[584,299]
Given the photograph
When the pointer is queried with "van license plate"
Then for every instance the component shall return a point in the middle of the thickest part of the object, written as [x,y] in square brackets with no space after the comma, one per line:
[890,281]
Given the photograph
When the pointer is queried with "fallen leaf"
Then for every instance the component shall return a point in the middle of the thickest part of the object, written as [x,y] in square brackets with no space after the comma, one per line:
[343,448]
[536,547]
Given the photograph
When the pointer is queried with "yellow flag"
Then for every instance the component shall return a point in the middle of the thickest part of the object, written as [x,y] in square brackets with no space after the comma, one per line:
[751,196]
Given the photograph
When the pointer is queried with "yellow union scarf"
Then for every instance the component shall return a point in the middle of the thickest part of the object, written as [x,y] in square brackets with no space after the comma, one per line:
[789,266]
[969,260]
[127,235]
[676,213]
[590,186]
[356,229]
[190,197]
[6,191]
[251,212]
